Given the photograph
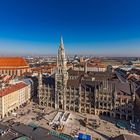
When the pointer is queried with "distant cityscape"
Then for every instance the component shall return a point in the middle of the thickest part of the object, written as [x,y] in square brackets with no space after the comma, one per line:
[73,97]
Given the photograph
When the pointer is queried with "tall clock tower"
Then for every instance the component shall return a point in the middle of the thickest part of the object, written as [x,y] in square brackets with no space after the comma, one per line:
[61,78]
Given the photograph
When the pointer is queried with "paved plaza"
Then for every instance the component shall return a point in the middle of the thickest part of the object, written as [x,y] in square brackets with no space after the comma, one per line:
[32,113]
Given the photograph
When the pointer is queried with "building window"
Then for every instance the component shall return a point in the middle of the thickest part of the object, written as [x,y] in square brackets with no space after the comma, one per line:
[87,89]
[129,111]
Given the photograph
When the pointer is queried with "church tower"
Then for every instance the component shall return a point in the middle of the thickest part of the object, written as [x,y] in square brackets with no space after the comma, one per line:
[61,78]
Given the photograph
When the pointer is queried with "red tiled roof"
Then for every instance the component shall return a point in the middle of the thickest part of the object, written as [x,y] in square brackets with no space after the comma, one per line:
[13,62]
[12,88]
[14,68]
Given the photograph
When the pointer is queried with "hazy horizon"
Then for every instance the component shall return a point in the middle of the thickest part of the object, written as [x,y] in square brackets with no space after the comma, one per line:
[99,28]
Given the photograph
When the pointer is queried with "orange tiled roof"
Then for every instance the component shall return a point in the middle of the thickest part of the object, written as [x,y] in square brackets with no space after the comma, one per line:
[12,88]
[13,62]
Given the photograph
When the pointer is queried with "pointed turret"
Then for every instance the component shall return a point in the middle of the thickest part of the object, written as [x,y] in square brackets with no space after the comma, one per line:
[61,43]
[61,40]
[61,61]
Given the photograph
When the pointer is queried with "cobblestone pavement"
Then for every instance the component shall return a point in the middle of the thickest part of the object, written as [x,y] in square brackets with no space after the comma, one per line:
[106,129]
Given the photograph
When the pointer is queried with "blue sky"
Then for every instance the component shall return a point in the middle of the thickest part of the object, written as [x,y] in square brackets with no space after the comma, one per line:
[98,27]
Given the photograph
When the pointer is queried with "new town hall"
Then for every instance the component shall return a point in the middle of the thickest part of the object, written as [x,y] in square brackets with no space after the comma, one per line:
[100,93]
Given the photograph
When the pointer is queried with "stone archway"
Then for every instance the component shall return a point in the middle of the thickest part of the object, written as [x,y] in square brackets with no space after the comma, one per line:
[40,103]
[108,114]
[101,113]
[49,104]
[82,110]
[117,116]
[53,105]
[104,113]
[71,108]
[129,117]
[87,111]
[60,105]
[67,107]
[123,117]
[113,115]
[76,109]
[8,114]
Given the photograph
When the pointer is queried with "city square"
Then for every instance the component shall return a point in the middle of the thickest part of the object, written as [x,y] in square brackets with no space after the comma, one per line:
[106,127]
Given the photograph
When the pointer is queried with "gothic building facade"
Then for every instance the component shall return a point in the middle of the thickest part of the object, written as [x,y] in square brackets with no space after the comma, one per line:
[99,93]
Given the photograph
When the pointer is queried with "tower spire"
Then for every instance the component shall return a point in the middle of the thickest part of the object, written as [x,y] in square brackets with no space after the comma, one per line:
[61,77]
[61,39]
[61,61]
[61,42]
